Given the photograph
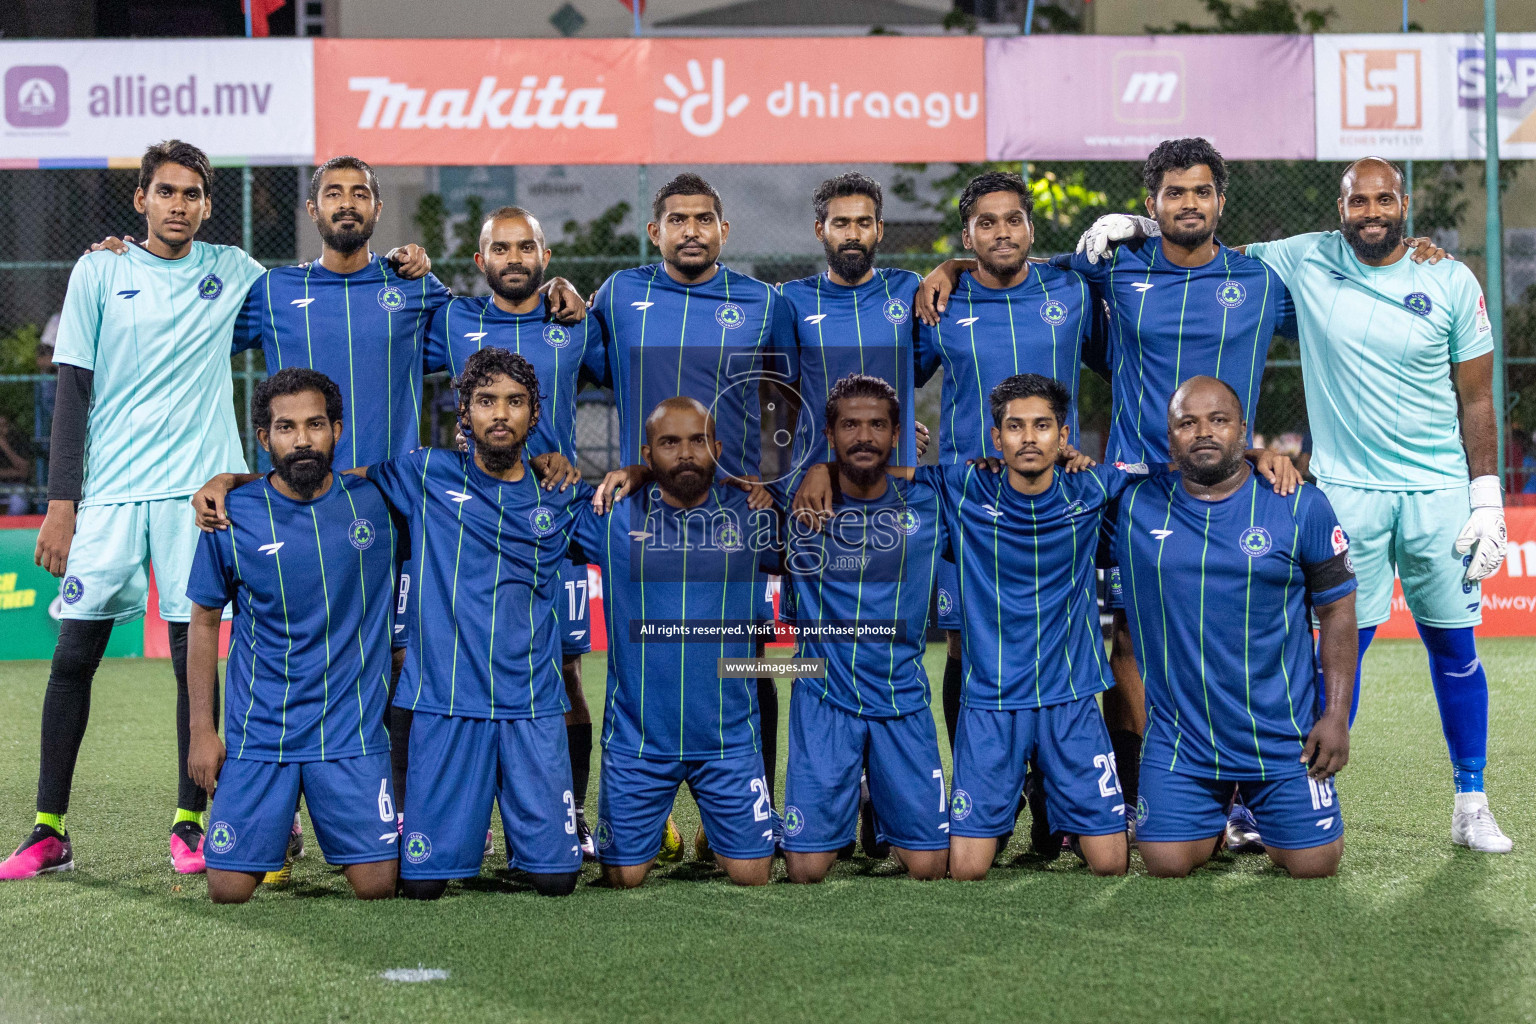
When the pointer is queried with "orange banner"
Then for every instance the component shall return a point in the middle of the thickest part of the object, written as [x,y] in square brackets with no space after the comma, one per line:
[1509,595]
[524,101]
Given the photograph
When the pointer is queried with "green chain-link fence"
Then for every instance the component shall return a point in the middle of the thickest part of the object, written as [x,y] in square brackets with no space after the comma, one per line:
[48,217]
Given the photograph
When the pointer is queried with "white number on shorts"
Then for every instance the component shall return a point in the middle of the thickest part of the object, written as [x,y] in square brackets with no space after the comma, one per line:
[576,598]
[938,775]
[1322,793]
[570,814]
[386,805]
[762,810]
[405,589]
[1110,777]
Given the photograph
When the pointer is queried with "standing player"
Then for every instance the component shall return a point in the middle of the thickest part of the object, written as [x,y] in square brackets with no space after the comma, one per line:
[690,326]
[310,567]
[872,564]
[144,414]
[1222,577]
[685,550]
[513,256]
[1388,349]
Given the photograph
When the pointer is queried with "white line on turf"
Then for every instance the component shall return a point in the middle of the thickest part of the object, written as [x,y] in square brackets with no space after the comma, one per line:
[417,973]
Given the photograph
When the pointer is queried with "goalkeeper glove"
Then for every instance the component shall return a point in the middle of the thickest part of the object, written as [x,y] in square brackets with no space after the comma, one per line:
[1484,536]
[1112,229]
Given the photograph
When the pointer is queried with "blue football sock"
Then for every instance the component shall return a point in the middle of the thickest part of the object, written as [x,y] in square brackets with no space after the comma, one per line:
[1461,689]
[1366,635]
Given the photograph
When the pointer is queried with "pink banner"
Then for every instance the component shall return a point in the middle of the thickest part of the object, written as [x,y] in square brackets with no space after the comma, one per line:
[1117,97]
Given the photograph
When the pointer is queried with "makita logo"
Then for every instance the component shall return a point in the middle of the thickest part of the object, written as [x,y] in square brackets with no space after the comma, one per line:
[393,104]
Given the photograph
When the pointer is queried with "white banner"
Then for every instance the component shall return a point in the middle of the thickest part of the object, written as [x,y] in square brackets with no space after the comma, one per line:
[101,102]
[1421,96]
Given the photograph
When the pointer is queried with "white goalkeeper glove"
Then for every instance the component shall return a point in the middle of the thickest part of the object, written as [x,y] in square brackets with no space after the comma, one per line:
[1484,536]
[1112,229]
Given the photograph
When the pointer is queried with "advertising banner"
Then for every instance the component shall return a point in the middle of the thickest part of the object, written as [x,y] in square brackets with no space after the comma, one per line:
[1117,97]
[517,101]
[1421,96]
[30,601]
[99,103]
[1509,595]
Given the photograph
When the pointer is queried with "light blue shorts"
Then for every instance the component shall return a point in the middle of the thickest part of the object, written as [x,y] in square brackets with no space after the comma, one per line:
[111,555]
[1411,534]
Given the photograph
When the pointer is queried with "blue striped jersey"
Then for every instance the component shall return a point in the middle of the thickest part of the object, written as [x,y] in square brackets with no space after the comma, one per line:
[1029,610]
[987,335]
[365,330]
[1169,323]
[155,335]
[487,558]
[839,330]
[563,356]
[1219,595]
[873,563]
[714,342]
[312,584]
[666,700]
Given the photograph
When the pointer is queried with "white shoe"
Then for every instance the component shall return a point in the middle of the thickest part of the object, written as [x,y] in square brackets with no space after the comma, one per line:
[1472,826]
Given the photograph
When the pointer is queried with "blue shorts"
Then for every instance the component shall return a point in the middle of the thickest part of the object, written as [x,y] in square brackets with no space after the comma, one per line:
[947,600]
[575,619]
[828,751]
[1070,748]
[405,609]
[351,804]
[458,766]
[635,795]
[1293,813]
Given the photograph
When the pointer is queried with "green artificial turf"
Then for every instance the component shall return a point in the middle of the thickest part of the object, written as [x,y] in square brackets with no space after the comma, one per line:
[1414,929]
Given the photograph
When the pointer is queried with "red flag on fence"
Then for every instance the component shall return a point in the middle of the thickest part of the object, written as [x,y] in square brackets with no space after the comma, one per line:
[258,11]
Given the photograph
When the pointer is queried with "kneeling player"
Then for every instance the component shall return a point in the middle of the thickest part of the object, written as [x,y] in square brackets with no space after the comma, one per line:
[873,565]
[687,549]
[1222,576]
[309,563]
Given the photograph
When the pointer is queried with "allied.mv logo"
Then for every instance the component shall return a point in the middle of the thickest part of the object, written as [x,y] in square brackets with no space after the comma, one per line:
[1255,542]
[1418,302]
[391,299]
[895,311]
[557,335]
[210,287]
[1231,294]
[701,108]
[730,315]
[542,520]
[221,837]
[361,534]
[417,847]
[1053,312]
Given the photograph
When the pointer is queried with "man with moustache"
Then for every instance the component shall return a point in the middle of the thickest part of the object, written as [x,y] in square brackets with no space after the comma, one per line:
[684,549]
[310,567]
[513,256]
[872,565]
[1222,579]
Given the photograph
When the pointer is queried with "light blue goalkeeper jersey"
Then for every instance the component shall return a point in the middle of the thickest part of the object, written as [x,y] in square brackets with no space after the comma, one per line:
[156,334]
[1377,344]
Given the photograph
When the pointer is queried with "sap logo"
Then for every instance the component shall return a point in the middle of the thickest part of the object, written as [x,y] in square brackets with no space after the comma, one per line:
[815,318]
[967,321]
[1381,90]
[128,293]
[995,513]
[1514,77]
[273,548]
[708,97]
[301,303]
[475,336]
[458,497]
[395,104]
[1149,86]
[1142,286]
[1161,534]
[642,305]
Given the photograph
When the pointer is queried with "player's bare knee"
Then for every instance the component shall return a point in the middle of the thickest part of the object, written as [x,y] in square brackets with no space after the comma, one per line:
[227,887]
[952,643]
[747,872]
[1313,862]
[1106,855]
[923,865]
[625,876]
[1170,860]
[376,881]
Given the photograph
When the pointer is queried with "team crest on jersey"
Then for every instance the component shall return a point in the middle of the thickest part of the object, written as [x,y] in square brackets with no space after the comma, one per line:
[946,603]
[1255,542]
[1142,813]
[730,315]
[417,847]
[74,590]
[907,520]
[1076,507]
[210,287]
[391,299]
[895,311]
[1053,312]
[960,805]
[603,834]
[728,538]
[361,534]
[1418,302]
[1115,587]
[1231,294]
[542,520]
[794,821]
[557,335]
[221,837]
